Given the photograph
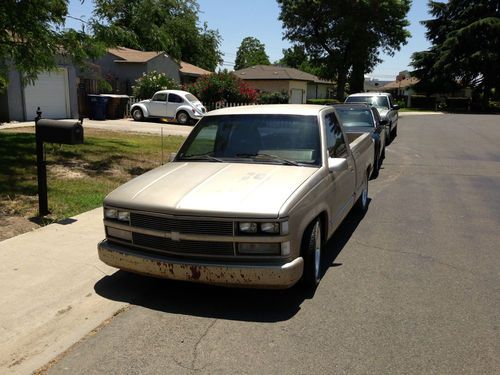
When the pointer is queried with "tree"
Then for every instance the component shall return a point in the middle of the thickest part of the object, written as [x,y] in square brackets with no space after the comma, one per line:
[296,57]
[465,51]
[32,37]
[251,52]
[145,86]
[169,26]
[343,37]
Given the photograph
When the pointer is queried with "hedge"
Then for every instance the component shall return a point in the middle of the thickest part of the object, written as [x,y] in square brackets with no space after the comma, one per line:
[322,101]
[423,102]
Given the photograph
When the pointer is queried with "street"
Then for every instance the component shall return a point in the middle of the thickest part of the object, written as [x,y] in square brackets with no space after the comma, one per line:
[410,288]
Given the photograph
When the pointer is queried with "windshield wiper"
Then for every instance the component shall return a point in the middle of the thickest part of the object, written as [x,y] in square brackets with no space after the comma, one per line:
[267,157]
[201,157]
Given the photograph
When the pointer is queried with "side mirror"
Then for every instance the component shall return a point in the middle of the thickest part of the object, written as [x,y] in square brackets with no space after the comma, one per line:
[172,156]
[384,122]
[395,106]
[336,165]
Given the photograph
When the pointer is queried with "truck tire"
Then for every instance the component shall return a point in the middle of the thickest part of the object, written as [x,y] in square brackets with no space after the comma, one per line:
[361,204]
[311,251]
[182,118]
[137,114]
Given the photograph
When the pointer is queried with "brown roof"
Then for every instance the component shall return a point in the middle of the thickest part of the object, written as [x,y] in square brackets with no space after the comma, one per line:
[272,72]
[190,69]
[404,83]
[132,55]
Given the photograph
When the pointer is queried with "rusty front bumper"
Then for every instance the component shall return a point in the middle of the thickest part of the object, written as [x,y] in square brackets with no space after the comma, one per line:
[229,274]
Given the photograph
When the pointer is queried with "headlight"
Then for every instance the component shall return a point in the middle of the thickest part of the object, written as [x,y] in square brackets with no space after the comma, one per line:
[248,227]
[124,216]
[270,227]
[263,228]
[111,213]
[259,248]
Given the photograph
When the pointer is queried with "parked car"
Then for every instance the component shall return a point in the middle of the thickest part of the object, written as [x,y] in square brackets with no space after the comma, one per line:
[171,104]
[363,118]
[249,200]
[385,105]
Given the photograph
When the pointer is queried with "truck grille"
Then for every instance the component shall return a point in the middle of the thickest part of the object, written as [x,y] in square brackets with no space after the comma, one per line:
[166,245]
[166,224]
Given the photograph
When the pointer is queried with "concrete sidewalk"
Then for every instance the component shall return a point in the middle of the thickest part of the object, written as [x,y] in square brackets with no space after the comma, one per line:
[47,280]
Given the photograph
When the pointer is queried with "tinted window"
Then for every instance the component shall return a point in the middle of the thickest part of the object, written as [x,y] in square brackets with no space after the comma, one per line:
[174,98]
[160,97]
[335,139]
[355,117]
[252,138]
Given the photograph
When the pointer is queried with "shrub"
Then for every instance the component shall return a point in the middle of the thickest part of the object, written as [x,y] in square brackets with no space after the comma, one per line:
[274,97]
[401,103]
[222,86]
[423,102]
[104,87]
[322,101]
[149,83]
[458,104]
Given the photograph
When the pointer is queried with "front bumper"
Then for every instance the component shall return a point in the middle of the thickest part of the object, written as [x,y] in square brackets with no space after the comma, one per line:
[228,274]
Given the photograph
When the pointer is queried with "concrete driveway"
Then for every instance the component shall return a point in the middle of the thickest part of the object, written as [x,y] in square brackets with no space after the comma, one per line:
[410,288]
[125,125]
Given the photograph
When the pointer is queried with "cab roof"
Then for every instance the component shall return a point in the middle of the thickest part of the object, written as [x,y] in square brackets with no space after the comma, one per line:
[272,109]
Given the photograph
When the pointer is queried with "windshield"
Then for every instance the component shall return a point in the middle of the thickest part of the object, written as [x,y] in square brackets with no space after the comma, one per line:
[355,117]
[274,139]
[192,98]
[374,101]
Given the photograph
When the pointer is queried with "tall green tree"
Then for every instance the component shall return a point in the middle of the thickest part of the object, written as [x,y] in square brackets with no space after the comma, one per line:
[465,51]
[251,52]
[32,37]
[345,37]
[170,26]
[296,57]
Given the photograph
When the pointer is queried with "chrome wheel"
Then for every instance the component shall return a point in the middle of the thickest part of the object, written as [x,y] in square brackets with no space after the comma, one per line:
[137,114]
[182,118]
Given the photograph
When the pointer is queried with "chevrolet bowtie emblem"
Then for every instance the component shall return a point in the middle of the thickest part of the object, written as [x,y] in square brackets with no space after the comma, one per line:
[175,236]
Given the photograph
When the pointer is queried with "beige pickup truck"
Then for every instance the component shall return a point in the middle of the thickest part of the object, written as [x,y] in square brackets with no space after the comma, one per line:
[249,200]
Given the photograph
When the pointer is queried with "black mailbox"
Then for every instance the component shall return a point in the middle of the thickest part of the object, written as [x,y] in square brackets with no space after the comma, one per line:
[59,131]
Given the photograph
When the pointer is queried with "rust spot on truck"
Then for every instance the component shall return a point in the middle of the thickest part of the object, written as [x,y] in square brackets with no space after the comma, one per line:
[195,273]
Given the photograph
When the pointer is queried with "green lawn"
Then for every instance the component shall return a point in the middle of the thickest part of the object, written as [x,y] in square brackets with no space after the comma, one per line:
[80,176]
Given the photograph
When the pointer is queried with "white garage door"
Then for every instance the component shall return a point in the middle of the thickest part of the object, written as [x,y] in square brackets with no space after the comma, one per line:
[51,93]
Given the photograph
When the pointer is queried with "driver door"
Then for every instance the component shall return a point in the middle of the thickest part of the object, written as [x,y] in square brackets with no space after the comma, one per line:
[158,105]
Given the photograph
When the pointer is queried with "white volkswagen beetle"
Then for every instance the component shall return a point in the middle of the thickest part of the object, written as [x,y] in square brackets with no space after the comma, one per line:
[181,105]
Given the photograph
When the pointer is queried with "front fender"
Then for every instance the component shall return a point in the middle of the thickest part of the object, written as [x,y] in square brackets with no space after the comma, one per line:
[143,107]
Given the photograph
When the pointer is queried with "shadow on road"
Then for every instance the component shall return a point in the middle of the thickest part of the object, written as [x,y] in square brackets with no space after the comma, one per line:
[219,302]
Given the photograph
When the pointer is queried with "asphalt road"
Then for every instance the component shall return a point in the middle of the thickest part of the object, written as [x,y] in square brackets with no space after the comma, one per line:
[410,288]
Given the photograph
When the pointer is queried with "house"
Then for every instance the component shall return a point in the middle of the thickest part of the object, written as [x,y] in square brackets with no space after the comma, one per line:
[299,85]
[55,92]
[402,86]
[122,66]
[373,84]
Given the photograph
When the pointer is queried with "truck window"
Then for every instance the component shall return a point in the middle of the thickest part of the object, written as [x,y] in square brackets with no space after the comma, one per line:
[334,136]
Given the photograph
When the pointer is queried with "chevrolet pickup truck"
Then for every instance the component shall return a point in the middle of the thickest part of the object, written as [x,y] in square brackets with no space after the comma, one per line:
[249,200]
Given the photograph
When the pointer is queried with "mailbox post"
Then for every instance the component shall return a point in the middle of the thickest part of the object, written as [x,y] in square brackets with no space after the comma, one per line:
[68,132]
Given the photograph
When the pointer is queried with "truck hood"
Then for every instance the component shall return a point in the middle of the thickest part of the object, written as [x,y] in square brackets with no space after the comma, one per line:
[212,189]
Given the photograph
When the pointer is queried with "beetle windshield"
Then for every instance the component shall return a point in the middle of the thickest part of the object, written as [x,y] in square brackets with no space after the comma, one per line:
[374,101]
[353,117]
[274,139]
